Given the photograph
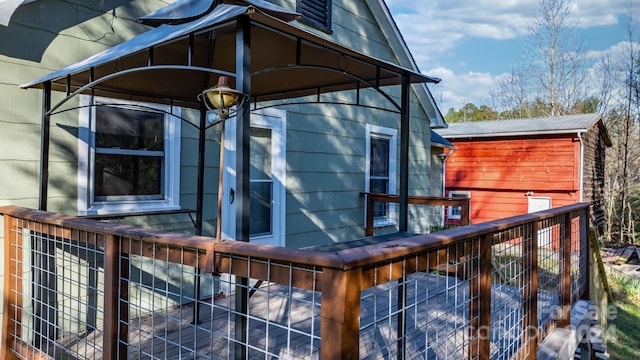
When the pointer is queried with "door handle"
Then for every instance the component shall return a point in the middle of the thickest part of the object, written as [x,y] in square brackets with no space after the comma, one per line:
[232,196]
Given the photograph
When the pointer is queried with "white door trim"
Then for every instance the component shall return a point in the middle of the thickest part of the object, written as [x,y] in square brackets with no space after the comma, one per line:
[275,120]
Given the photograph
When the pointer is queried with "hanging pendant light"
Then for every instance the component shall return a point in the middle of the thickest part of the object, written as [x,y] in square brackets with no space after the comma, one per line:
[221,97]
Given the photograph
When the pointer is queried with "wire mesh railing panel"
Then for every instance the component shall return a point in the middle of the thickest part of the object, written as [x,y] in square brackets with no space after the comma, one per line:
[60,297]
[90,292]
[550,237]
[280,320]
[250,318]
[426,312]
[579,257]
[157,301]
[511,277]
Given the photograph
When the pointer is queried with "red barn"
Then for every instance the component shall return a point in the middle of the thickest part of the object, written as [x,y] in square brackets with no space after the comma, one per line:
[511,167]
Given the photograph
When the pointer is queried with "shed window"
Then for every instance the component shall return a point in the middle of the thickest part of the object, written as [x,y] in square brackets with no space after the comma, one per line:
[455,212]
[316,13]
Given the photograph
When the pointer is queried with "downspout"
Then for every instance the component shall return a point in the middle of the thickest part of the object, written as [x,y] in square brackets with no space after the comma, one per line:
[581,173]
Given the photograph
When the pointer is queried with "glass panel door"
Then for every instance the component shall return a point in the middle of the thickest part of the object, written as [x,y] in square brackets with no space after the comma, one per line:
[266,176]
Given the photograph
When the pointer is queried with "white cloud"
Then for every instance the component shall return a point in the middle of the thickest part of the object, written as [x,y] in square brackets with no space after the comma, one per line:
[592,13]
[433,28]
[458,89]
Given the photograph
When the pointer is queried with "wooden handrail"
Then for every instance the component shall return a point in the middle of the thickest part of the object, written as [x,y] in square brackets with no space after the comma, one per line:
[339,275]
[343,259]
[463,203]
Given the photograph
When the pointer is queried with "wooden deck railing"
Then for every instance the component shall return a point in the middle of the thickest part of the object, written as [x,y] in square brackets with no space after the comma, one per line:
[441,204]
[78,288]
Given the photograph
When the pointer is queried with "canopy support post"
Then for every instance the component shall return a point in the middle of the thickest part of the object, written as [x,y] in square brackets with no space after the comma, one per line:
[404,207]
[243,128]
[44,146]
[199,205]
[404,155]
[201,153]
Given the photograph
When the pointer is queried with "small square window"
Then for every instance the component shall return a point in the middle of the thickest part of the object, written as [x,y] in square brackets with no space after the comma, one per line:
[316,13]
[455,212]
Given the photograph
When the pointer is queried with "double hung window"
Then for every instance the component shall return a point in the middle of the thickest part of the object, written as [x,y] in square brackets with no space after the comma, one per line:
[381,149]
[128,158]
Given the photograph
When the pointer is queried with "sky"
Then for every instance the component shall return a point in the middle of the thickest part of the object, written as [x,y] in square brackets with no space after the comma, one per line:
[469,44]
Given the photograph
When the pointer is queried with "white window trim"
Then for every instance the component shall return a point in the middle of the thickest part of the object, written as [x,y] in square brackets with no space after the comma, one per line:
[450,213]
[86,156]
[392,135]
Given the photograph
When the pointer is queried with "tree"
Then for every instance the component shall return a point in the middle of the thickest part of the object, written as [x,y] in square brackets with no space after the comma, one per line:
[512,95]
[622,186]
[470,112]
[553,73]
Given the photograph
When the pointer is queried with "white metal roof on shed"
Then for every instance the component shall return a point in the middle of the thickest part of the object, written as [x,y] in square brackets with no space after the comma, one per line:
[521,127]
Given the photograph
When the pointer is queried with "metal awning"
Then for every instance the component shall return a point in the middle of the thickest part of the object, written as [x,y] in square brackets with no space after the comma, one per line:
[174,63]
[251,42]
[183,11]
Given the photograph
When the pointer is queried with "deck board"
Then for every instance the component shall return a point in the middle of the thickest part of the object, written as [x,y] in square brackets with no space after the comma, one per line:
[436,324]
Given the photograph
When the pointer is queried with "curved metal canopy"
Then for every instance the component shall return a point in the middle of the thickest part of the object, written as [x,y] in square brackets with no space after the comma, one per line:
[247,40]
[172,63]
[183,11]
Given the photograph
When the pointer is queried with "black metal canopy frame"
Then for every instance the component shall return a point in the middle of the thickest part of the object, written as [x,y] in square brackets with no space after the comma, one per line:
[251,42]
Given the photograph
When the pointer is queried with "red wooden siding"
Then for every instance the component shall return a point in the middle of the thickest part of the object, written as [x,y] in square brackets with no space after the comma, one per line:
[500,173]
[489,205]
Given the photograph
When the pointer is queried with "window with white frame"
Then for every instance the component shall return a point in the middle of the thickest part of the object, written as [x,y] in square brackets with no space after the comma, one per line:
[455,212]
[380,176]
[129,157]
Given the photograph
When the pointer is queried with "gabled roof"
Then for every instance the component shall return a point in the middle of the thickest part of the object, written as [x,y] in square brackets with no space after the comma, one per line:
[566,124]
[389,27]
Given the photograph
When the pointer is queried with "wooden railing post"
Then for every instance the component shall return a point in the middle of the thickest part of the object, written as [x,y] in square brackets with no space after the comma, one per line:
[564,300]
[12,287]
[369,219]
[530,295]
[586,253]
[464,212]
[340,311]
[480,306]
[116,295]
